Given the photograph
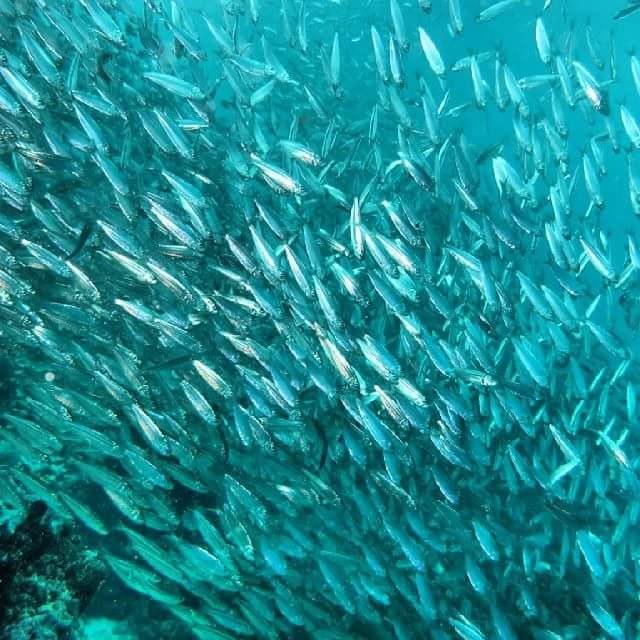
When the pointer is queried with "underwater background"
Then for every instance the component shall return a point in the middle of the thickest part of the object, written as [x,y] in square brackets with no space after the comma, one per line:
[319,319]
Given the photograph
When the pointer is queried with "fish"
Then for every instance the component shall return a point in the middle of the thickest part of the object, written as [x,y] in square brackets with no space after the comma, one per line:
[625,12]
[83,237]
[495,10]
[432,53]
[320,319]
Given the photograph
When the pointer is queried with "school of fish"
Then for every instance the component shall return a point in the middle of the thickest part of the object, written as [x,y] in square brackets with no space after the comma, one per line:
[304,353]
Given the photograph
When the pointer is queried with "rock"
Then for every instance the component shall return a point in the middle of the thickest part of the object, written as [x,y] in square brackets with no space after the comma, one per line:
[47,579]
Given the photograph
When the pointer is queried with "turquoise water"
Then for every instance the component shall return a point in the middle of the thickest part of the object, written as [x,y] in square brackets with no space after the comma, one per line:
[318,320]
